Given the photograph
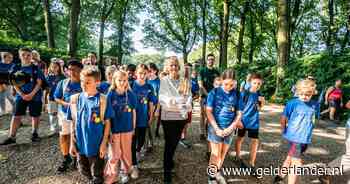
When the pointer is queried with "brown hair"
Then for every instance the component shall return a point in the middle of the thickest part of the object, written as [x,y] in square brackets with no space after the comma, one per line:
[91,71]
[255,76]
[142,66]
[228,74]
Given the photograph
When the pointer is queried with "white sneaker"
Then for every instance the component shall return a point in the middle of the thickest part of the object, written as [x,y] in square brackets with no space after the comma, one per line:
[124,178]
[134,172]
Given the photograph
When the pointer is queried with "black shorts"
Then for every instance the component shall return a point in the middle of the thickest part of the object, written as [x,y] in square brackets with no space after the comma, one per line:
[334,103]
[21,106]
[252,133]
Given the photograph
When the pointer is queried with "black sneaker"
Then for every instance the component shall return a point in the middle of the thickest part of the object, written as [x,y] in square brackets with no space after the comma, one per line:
[8,141]
[277,180]
[35,137]
[185,143]
[64,165]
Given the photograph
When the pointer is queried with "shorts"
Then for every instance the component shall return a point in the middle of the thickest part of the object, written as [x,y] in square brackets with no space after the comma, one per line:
[334,103]
[64,124]
[52,107]
[252,133]
[212,137]
[21,106]
[296,150]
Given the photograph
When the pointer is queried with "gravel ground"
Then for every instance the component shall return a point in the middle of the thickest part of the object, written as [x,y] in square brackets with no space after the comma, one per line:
[31,163]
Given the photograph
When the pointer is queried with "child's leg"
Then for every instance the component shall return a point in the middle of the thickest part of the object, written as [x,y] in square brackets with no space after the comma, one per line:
[238,143]
[286,164]
[114,154]
[215,156]
[97,166]
[224,150]
[35,124]
[332,113]
[253,150]
[15,124]
[141,137]
[2,103]
[133,146]
[295,163]
[35,108]
[84,166]
[126,151]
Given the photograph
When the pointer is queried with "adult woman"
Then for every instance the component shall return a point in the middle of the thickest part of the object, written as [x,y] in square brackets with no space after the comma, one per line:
[175,101]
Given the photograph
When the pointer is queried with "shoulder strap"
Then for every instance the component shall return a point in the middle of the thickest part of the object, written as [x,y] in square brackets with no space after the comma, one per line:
[74,105]
[65,83]
[246,96]
[103,106]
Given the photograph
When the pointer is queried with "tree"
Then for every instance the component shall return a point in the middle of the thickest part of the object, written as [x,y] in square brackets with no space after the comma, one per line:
[48,24]
[224,34]
[282,41]
[240,44]
[204,31]
[73,28]
[173,25]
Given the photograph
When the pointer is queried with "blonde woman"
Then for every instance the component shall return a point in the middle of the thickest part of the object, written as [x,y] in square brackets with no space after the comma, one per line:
[175,101]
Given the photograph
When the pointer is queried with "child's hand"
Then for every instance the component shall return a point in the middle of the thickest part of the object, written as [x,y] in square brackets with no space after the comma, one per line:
[103,150]
[228,131]
[219,132]
[27,97]
[239,124]
[73,150]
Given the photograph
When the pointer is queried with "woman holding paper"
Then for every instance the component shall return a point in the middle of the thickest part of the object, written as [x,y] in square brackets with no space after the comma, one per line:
[175,100]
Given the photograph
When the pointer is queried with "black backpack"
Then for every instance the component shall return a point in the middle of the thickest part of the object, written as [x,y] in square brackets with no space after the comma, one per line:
[35,75]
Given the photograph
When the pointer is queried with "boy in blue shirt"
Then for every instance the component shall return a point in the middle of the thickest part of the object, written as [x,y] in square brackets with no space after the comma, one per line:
[29,96]
[144,114]
[90,114]
[64,90]
[297,122]
[251,103]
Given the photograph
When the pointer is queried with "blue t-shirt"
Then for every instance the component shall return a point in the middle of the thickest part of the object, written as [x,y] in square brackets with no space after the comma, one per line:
[250,113]
[144,95]
[65,94]
[155,83]
[89,125]
[194,85]
[6,67]
[224,106]
[28,87]
[52,81]
[103,87]
[123,106]
[245,85]
[301,120]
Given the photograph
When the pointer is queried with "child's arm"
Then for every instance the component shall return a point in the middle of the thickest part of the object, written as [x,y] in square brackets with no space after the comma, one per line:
[347,105]
[213,123]
[35,90]
[103,146]
[134,120]
[283,123]
[150,113]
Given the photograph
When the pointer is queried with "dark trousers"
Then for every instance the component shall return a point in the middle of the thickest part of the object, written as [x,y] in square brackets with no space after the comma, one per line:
[138,140]
[172,134]
[92,168]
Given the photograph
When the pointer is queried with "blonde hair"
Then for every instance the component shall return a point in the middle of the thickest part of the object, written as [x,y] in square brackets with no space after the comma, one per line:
[185,85]
[91,71]
[50,70]
[115,76]
[305,84]
[110,69]
[34,52]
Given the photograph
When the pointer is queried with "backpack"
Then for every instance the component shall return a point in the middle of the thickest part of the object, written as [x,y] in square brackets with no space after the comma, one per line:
[34,74]
[74,108]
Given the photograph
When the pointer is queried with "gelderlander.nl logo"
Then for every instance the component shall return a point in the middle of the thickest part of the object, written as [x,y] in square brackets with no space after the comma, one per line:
[273,171]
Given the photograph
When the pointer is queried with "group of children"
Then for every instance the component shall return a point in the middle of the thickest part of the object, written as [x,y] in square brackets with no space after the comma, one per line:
[92,115]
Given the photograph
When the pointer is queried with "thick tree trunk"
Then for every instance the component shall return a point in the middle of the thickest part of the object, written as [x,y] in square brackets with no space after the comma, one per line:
[48,24]
[282,41]
[185,55]
[73,28]
[252,38]
[241,32]
[293,21]
[330,36]
[224,37]
[204,29]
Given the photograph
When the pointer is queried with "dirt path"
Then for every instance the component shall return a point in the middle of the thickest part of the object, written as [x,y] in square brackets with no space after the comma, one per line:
[36,163]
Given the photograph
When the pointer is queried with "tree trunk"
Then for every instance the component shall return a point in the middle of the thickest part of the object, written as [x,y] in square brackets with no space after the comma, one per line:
[185,55]
[224,37]
[347,34]
[73,28]
[330,36]
[282,41]
[100,40]
[252,38]
[293,21]
[241,32]
[48,24]
[204,36]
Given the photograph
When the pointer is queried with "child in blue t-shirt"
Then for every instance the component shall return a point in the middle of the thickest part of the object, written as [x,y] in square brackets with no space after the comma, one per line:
[224,116]
[251,103]
[64,90]
[55,75]
[28,96]
[297,122]
[104,86]
[90,114]
[123,124]
[144,113]
[154,81]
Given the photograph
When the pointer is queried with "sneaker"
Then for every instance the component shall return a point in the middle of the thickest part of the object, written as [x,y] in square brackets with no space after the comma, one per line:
[134,174]
[8,141]
[185,143]
[212,181]
[52,128]
[277,180]
[220,179]
[202,137]
[124,178]
[64,165]
[74,163]
[35,137]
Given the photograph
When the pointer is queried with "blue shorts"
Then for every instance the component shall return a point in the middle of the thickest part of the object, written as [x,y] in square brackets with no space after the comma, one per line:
[35,108]
[212,137]
[296,150]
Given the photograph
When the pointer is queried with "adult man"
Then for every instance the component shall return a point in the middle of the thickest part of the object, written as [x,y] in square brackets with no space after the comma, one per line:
[206,80]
